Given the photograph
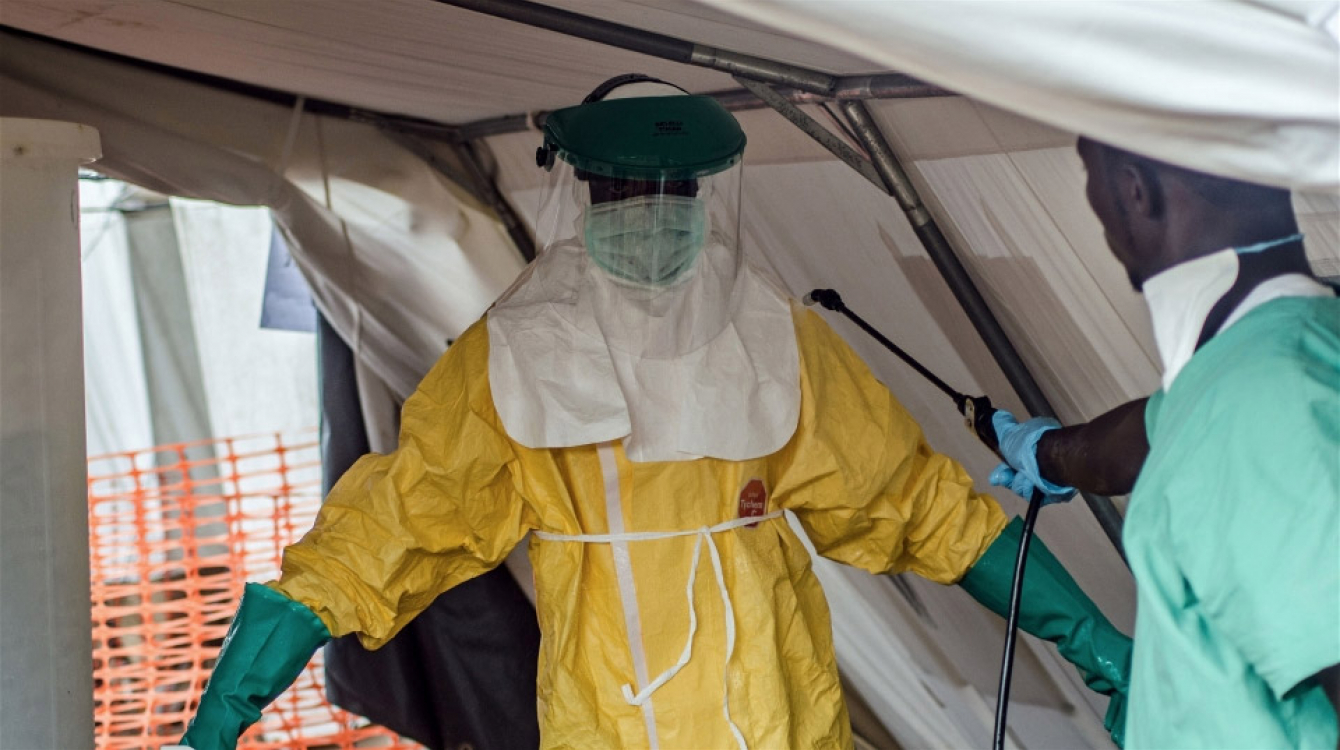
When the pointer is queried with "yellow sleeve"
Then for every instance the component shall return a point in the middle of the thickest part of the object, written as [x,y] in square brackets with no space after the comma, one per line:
[397,530]
[863,481]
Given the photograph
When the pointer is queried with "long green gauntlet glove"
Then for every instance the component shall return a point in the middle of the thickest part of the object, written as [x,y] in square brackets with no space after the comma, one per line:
[1053,607]
[270,641]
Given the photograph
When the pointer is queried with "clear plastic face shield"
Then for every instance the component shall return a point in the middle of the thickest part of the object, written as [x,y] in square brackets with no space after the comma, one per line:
[639,220]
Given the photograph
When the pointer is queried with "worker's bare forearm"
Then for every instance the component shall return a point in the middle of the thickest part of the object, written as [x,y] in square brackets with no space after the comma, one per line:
[1103,456]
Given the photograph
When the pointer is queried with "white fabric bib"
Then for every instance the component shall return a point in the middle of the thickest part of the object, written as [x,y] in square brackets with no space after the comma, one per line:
[1180,300]
[557,384]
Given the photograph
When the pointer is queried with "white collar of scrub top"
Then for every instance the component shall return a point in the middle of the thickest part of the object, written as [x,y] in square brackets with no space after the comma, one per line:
[737,398]
[1180,299]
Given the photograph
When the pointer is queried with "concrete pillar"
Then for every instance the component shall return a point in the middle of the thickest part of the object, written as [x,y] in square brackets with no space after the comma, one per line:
[46,681]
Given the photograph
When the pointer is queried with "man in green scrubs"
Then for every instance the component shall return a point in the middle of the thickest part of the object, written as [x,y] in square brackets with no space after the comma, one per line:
[1233,529]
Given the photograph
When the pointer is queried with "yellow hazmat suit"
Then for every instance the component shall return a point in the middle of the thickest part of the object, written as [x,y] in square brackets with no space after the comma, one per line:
[618,595]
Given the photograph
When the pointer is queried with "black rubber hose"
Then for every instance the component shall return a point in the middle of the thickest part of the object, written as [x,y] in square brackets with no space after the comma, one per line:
[981,424]
[1012,622]
[830,299]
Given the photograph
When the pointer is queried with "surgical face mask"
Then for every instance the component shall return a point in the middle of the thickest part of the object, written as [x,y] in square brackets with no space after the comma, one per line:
[652,239]
[1180,300]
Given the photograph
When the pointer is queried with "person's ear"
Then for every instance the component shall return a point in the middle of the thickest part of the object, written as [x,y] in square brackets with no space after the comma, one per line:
[1140,189]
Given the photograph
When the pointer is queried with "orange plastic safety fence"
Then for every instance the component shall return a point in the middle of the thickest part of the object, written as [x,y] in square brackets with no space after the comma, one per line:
[176,531]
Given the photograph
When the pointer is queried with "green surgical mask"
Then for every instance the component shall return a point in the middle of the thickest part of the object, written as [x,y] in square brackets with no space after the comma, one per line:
[651,239]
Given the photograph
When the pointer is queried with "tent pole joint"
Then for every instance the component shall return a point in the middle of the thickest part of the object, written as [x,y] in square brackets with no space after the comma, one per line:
[821,135]
[762,70]
[886,163]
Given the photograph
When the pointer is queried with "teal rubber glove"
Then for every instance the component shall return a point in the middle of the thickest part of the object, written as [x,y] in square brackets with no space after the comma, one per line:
[270,641]
[1053,608]
[1019,448]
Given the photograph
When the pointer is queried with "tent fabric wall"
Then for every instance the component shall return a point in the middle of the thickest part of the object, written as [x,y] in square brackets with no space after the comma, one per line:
[1247,89]
[115,393]
[178,402]
[170,332]
[256,379]
[399,259]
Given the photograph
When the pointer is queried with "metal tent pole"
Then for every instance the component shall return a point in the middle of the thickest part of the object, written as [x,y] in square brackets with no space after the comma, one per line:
[885,86]
[650,43]
[965,291]
[897,183]
[689,53]
[493,196]
[811,127]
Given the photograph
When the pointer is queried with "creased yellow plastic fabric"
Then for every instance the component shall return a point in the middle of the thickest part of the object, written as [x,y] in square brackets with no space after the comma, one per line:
[865,484]
[397,530]
[458,495]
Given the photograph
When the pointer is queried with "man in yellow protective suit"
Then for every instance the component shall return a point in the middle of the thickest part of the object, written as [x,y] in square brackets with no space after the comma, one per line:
[646,404]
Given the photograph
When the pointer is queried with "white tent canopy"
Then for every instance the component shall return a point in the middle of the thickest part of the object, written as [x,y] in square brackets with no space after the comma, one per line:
[401,259]
[1244,89]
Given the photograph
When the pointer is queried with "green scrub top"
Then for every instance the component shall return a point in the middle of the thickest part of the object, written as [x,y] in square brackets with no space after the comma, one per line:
[1233,533]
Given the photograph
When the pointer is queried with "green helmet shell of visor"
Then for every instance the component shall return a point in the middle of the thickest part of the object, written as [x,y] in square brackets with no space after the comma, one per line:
[644,138]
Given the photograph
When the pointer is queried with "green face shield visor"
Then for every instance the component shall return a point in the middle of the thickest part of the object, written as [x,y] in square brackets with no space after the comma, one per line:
[650,138]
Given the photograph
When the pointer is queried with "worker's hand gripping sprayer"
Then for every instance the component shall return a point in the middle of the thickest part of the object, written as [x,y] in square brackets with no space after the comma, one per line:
[1103,661]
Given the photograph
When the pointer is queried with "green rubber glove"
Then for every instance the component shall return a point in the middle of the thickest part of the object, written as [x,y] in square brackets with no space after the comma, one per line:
[270,641]
[1053,607]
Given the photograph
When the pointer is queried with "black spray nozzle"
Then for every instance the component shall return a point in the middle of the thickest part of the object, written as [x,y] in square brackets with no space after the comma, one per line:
[833,301]
[979,414]
[828,298]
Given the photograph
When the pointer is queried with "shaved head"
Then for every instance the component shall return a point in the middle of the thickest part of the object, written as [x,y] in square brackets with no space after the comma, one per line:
[1156,215]
[1223,192]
